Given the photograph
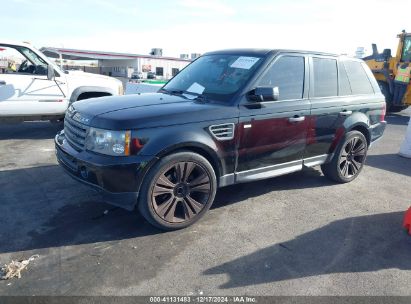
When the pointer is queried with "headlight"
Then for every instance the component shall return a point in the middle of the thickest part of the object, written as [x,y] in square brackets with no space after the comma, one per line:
[116,143]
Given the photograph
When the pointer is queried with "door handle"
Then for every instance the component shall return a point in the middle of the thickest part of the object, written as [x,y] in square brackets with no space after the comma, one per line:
[2,82]
[345,113]
[296,118]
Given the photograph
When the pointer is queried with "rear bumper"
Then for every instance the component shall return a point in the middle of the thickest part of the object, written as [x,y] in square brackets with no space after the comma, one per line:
[117,179]
[377,130]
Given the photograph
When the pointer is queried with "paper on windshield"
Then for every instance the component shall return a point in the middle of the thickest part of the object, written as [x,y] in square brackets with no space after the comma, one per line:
[244,62]
[196,88]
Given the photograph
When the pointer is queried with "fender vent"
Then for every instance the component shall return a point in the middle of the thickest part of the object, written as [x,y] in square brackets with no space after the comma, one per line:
[223,131]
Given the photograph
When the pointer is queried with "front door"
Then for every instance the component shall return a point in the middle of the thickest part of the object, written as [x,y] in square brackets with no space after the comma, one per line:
[273,134]
[24,87]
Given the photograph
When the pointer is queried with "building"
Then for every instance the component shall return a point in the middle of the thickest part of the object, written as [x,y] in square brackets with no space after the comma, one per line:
[121,64]
[195,56]
[360,52]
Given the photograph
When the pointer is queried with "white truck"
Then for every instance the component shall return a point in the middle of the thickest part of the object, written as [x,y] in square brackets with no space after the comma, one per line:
[35,88]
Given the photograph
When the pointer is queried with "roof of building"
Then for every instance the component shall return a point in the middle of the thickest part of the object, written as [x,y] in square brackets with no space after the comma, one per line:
[75,54]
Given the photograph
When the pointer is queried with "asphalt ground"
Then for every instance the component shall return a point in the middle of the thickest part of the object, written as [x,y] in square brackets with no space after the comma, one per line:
[298,234]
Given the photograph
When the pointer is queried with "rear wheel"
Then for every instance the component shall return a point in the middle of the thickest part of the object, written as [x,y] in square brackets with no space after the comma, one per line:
[349,158]
[177,191]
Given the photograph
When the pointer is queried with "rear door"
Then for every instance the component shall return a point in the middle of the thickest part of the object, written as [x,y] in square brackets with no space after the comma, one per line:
[339,87]
[330,100]
[24,87]
[273,134]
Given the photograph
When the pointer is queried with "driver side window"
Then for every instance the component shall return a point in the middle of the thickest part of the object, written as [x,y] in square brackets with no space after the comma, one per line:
[13,60]
[286,73]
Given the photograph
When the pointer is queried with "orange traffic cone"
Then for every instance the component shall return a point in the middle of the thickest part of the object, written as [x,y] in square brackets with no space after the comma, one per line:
[407,220]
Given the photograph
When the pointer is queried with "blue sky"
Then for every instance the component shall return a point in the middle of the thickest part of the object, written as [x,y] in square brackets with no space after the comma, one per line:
[186,26]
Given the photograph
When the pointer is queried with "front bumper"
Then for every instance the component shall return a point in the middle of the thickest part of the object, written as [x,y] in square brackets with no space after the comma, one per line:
[118,179]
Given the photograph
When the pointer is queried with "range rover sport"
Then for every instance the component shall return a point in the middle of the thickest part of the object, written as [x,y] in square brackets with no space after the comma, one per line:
[229,117]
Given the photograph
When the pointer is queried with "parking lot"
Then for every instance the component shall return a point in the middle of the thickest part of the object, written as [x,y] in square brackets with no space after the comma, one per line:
[298,234]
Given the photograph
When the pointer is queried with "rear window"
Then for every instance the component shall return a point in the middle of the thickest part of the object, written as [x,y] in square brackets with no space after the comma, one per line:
[360,84]
[325,77]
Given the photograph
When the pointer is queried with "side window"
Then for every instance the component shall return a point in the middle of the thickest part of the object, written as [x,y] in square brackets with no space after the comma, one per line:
[21,60]
[360,84]
[287,73]
[325,77]
[345,88]
[10,60]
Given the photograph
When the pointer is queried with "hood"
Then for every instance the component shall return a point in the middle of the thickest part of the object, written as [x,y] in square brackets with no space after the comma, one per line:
[88,75]
[92,79]
[148,111]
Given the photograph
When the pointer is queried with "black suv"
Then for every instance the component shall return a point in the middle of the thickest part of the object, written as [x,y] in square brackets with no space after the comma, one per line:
[229,117]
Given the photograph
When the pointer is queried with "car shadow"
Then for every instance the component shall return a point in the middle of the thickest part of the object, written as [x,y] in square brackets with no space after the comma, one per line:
[307,178]
[356,244]
[30,130]
[390,162]
[43,208]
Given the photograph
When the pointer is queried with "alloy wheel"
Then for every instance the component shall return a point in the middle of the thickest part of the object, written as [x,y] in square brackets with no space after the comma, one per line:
[352,157]
[181,191]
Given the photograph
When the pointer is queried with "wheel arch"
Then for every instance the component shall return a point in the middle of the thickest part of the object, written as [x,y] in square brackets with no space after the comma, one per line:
[198,148]
[358,121]
[90,89]
[364,130]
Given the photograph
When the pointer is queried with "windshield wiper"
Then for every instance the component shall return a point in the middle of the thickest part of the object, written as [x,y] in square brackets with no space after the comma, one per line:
[198,96]
[201,97]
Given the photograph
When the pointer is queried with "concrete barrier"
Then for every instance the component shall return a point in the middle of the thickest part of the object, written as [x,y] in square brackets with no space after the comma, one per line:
[405,149]
[138,88]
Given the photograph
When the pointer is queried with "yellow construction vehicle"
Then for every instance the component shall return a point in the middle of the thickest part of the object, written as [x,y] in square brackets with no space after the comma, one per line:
[384,68]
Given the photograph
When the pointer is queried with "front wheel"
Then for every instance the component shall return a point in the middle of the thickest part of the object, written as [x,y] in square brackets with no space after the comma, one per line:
[177,191]
[349,158]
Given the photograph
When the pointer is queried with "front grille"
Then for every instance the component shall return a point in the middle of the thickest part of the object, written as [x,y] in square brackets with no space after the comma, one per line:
[75,133]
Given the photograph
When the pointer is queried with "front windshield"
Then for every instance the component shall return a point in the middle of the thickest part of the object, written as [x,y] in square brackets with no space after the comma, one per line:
[216,77]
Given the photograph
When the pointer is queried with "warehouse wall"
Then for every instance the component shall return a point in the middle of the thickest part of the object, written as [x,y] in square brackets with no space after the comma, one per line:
[124,67]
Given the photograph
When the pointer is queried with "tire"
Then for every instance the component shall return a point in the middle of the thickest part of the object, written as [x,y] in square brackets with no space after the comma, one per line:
[349,158]
[177,191]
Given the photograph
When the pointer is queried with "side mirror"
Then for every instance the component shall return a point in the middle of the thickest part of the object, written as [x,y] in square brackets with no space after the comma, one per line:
[50,72]
[261,94]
